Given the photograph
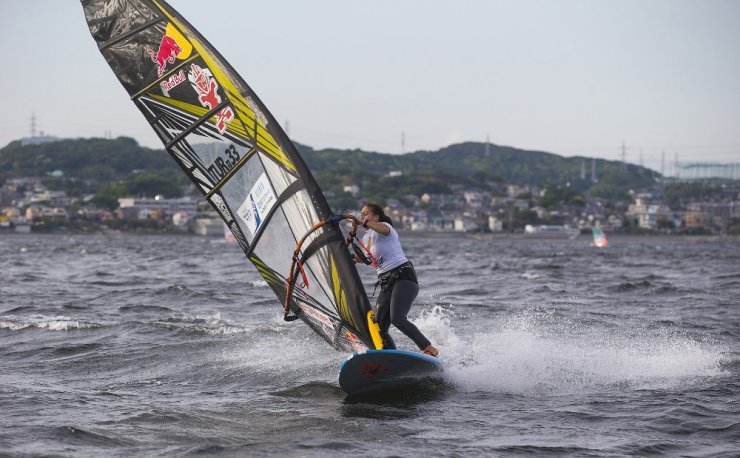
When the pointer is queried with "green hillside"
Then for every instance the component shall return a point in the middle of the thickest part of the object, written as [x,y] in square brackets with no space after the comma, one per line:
[87,159]
[471,164]
[121,166]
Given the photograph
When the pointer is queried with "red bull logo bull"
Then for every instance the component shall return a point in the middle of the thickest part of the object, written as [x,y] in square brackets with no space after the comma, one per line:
[173,45]
[167,53]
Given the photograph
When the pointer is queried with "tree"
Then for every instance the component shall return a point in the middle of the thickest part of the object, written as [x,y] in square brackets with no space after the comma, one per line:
[108,195]
[151,184]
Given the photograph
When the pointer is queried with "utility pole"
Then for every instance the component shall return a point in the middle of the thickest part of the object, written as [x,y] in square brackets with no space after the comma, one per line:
[593,170]
[662,163]
[403,142]
[624,157]
[675,166]
[33,125]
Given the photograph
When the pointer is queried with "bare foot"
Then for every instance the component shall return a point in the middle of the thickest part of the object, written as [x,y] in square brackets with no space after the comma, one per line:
[430,350]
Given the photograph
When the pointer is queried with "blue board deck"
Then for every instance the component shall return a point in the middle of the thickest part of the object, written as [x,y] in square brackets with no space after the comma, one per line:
[374,370]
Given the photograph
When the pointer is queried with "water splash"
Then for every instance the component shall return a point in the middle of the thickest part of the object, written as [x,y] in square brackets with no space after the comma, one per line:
[537,351]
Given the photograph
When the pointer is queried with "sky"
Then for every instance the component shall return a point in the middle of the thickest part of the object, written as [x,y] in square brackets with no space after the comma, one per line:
[660,78]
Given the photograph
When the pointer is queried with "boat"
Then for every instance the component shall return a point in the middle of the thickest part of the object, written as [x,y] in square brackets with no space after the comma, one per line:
[600,240]
[225,140]
[551,231]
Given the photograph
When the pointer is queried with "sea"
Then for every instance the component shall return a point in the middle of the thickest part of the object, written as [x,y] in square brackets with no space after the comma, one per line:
[168,345]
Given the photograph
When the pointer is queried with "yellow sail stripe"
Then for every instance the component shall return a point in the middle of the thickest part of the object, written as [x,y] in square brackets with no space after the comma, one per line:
[266,272]
[235,128]
[197,110]
[340,297]
[271,147]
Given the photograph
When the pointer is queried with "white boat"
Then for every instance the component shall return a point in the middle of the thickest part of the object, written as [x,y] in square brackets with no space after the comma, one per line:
[551,231]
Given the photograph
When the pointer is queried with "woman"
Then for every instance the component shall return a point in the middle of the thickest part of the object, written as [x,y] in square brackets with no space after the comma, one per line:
[396,275]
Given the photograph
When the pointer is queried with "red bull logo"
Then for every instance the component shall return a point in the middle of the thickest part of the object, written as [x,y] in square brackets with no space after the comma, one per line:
[173,46]
[167,53]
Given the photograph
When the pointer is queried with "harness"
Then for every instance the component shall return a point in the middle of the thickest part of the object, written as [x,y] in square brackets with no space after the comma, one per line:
[386,280]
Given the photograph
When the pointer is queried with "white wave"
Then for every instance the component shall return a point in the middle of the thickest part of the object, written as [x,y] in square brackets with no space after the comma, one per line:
[527,355]
[58,323]
[292,352]
[258,284]
[435,324]
[212,324]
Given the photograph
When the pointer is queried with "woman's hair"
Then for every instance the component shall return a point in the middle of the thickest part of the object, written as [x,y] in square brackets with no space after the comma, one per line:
[378,210]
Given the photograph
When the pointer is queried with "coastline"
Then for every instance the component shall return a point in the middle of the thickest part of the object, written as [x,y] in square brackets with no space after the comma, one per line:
[479,236]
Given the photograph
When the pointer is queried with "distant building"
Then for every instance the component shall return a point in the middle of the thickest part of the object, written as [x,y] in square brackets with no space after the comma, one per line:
[462,224]
[475,199]
[708,214]
[495,224]
[440,200]
[36,213]
[513,190]
[648,215]
[54,198]
[614,222]
[154,208]
[27,183]
[352,189]
[38,140]
[211,227]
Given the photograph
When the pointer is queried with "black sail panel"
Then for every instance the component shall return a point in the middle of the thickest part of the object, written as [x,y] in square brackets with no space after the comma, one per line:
[226,141]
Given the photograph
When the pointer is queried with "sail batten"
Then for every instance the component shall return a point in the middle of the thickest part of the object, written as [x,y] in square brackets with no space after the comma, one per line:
[230,146]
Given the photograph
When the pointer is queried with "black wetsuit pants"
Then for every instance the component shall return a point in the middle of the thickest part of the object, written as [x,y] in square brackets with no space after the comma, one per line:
[393,306]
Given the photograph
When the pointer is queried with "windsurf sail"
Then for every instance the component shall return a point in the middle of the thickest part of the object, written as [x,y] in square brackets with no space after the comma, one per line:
[225,140]
[600,240]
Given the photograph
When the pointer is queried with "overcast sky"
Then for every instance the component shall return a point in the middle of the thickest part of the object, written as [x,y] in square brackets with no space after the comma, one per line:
[572,77]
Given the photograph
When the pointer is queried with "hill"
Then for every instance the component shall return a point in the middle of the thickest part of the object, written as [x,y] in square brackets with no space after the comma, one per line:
[95,159]
[472,164]
[96,163]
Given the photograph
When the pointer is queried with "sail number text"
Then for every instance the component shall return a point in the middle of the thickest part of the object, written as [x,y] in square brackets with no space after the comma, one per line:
[221,166]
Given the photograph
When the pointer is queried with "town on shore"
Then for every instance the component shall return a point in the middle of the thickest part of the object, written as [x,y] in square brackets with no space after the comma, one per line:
[26,205]
[421,194]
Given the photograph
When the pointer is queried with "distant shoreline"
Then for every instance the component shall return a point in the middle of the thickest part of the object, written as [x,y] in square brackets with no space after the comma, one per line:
[480,236]
[487,236]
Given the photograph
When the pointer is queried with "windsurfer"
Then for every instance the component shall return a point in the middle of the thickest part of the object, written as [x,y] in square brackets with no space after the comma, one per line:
[398,283]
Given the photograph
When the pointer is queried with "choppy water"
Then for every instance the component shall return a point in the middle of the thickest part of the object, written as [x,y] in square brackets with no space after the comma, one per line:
[132,345]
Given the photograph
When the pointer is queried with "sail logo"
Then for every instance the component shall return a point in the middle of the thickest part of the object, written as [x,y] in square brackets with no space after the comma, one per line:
[173,45]
[207,89]
[167,52]
[173,81]
[258,204]
[372,370]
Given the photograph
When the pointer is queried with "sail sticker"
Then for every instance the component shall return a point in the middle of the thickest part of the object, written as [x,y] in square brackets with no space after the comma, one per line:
[172,46]
[207,88]
[223,165]
[258,203]
[172,82]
